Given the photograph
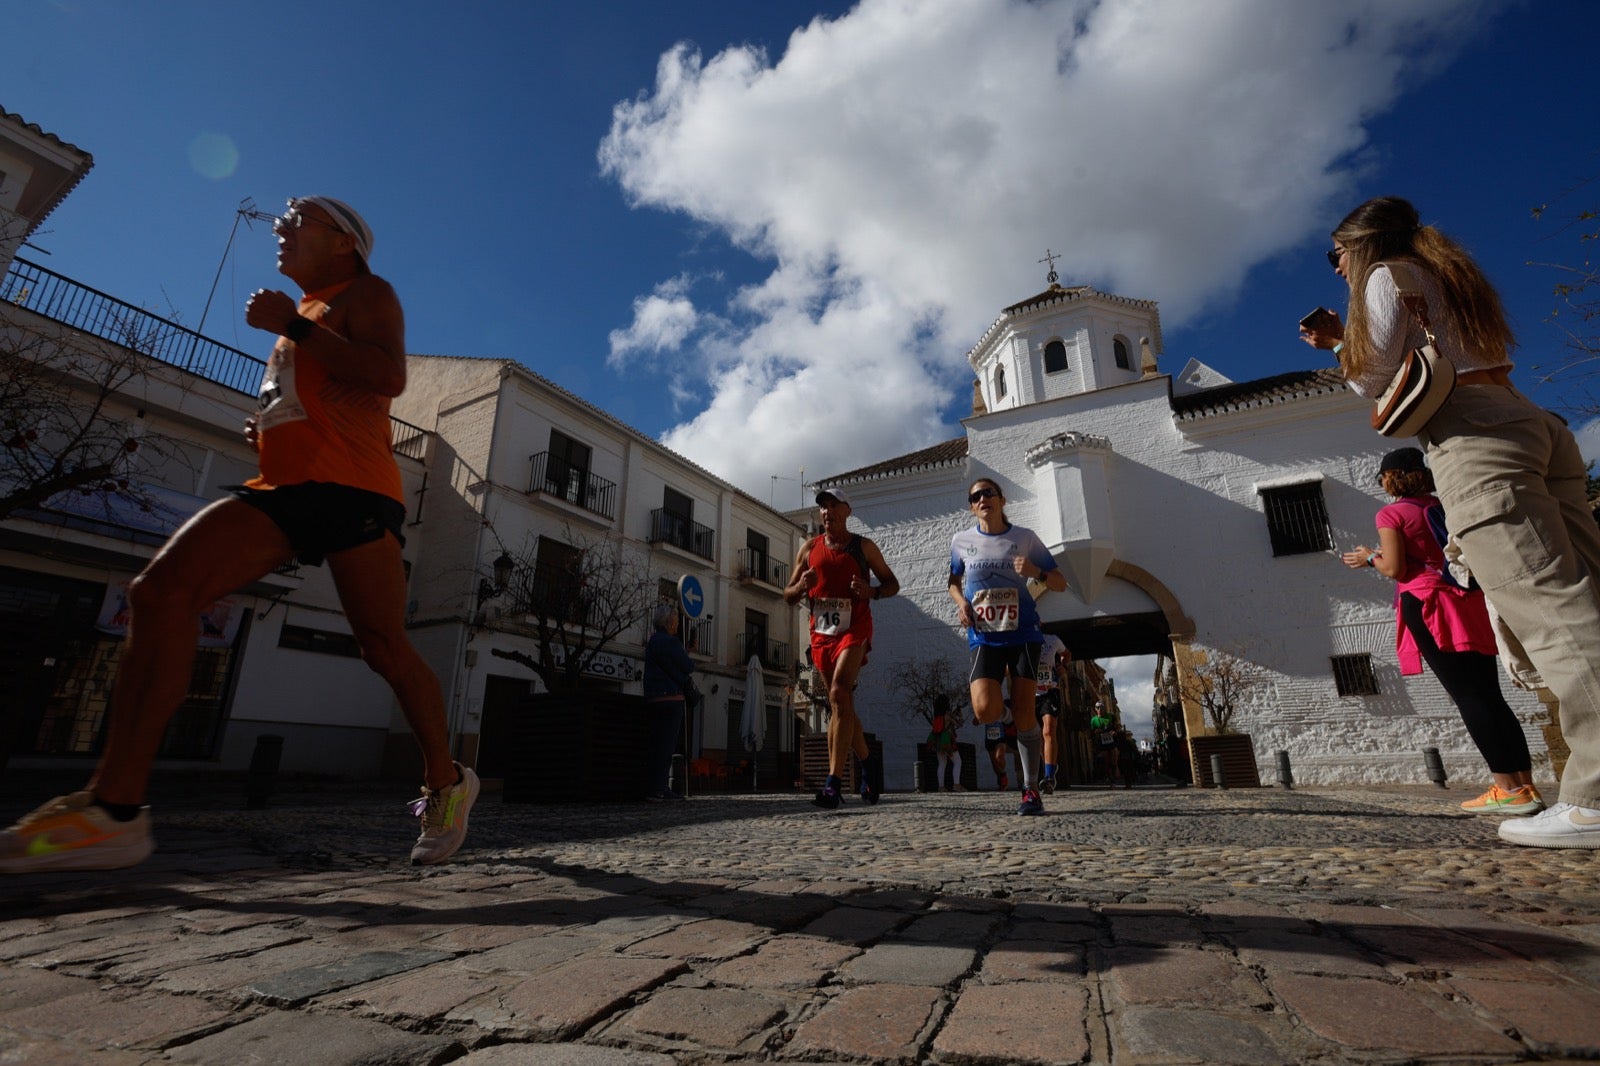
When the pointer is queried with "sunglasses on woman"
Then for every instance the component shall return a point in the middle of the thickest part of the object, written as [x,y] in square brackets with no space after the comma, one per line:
[982,494]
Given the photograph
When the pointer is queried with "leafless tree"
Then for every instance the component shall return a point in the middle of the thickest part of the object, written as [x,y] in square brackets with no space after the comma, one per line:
[1219,684]
[928,687]
[574,598]
[1577,310]
[69,418]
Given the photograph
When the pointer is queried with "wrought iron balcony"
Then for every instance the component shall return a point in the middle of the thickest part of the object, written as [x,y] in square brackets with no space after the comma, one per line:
[774,654]
[669,527]
[555,476]
[46,293]
[760,566]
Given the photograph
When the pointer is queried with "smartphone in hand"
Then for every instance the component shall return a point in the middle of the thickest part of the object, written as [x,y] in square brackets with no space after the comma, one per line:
[1319,319]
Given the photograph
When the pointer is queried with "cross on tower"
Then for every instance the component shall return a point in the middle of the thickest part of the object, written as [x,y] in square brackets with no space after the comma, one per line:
[1051,257]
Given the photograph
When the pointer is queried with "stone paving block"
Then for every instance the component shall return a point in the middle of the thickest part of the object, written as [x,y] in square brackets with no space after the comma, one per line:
[779,913]
[316,1040]
[477,938]
[1182,977]
[297,986]
[1371,1015]
[711,938]
[1553,1014]
[1535,943]
[23,986]
[1056,932]
[1062,913]
[855,925]
[562,1055]
[1003,1023]
[57,1051]
[719,1019]
[233,974]
[1155,928]
[1166,1035]
[423,995]
[879,1023]
[952,928]
[1280,952]
[120,1019]
[909,964]
[211,921]
[565,1001]
[533,954]
[184,949]
[1032,960]
[790,961]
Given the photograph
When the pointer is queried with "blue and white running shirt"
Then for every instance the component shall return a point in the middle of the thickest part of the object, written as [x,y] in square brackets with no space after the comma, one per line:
[1002,606]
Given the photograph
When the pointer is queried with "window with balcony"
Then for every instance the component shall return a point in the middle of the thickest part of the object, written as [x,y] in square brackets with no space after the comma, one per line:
[554,589]
[673,523]
[756,561]
[563,473]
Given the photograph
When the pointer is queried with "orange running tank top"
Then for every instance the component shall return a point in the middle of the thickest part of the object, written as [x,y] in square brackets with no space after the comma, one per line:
[312,428]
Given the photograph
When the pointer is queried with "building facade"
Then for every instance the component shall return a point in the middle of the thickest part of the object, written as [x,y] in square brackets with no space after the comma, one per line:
[1195,518]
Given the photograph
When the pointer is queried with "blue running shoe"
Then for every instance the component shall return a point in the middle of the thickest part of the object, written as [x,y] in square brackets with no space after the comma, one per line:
[827,799]
[1031,803]
[869,795]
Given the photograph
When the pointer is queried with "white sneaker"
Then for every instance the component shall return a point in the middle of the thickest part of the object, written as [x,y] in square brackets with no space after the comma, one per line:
[444,818]
[71,833]
[1564,825]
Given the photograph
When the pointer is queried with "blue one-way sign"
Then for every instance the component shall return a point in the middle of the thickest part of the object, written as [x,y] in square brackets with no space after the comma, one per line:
[691,595]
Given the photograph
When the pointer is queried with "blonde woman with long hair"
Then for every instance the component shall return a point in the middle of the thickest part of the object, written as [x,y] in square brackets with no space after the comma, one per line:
[1508,473]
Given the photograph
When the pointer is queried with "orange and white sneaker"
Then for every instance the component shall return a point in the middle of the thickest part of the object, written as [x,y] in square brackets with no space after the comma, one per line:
[1522,800]
[71,833]
[444,818]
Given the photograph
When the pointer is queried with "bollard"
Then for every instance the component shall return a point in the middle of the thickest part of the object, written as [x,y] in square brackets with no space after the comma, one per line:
[680,783]
[1435,765]
[264,760]
[1217,779]
[917,784]
[1285,773]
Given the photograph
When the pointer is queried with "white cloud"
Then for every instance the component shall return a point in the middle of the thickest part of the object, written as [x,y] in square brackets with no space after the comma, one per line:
[662,321]
[903,166]
[1588,436]
[1136,691]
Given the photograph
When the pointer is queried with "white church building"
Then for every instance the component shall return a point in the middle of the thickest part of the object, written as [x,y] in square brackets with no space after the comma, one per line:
[1192,516]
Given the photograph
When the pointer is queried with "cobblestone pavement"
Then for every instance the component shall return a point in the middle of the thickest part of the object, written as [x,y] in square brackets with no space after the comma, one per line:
[1152,926]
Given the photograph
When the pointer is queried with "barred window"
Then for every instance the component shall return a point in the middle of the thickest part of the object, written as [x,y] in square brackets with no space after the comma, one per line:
[1352,675]
[1297,519]
[304,638]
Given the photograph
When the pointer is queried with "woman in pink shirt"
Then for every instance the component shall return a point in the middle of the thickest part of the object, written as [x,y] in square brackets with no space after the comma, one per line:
[1447,626]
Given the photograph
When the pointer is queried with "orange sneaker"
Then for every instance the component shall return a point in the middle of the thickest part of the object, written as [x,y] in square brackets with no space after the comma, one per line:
[1523,800]
[71,833]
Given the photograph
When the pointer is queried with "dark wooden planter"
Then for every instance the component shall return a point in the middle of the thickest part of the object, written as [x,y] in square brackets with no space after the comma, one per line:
[1238,760]
[587,747]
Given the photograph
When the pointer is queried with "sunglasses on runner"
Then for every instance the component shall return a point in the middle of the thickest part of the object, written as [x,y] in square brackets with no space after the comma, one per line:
[982,494]
[292,219]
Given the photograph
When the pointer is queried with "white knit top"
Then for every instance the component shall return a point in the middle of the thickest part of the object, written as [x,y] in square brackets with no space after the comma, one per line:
[1393,331]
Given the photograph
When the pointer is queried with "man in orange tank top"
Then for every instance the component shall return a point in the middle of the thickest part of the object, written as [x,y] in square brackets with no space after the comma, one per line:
[329,489]
[833,573]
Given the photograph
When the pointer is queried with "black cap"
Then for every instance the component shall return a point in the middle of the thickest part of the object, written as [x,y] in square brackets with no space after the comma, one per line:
[1402,459]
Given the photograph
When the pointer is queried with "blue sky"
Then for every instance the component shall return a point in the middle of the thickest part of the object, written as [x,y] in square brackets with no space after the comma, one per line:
[769,233]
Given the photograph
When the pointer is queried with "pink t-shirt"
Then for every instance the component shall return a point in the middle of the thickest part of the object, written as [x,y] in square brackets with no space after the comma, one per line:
[1457,619]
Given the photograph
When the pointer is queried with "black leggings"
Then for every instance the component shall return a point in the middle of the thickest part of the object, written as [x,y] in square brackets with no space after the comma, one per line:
[1473,681]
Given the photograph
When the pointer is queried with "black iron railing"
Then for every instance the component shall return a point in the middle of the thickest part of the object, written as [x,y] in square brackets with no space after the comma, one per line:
[669,527]
[555,476]
[46,293]
[757,564]
[773,654]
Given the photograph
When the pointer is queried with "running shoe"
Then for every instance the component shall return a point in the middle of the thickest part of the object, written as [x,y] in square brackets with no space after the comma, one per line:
[1048,785]
[444,818]
[1031,803]
[869,795]
[827,799]
[1523,800]
[1565,825]
[72,833]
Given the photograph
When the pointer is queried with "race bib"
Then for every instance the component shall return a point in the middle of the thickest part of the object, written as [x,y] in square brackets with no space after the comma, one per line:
[994,731]
[830,616]
[996,610]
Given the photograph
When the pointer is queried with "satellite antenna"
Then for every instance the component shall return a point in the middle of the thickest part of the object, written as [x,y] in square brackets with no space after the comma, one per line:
[247,213]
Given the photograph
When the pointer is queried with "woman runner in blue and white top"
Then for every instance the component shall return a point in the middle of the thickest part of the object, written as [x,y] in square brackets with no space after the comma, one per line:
[990,567]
